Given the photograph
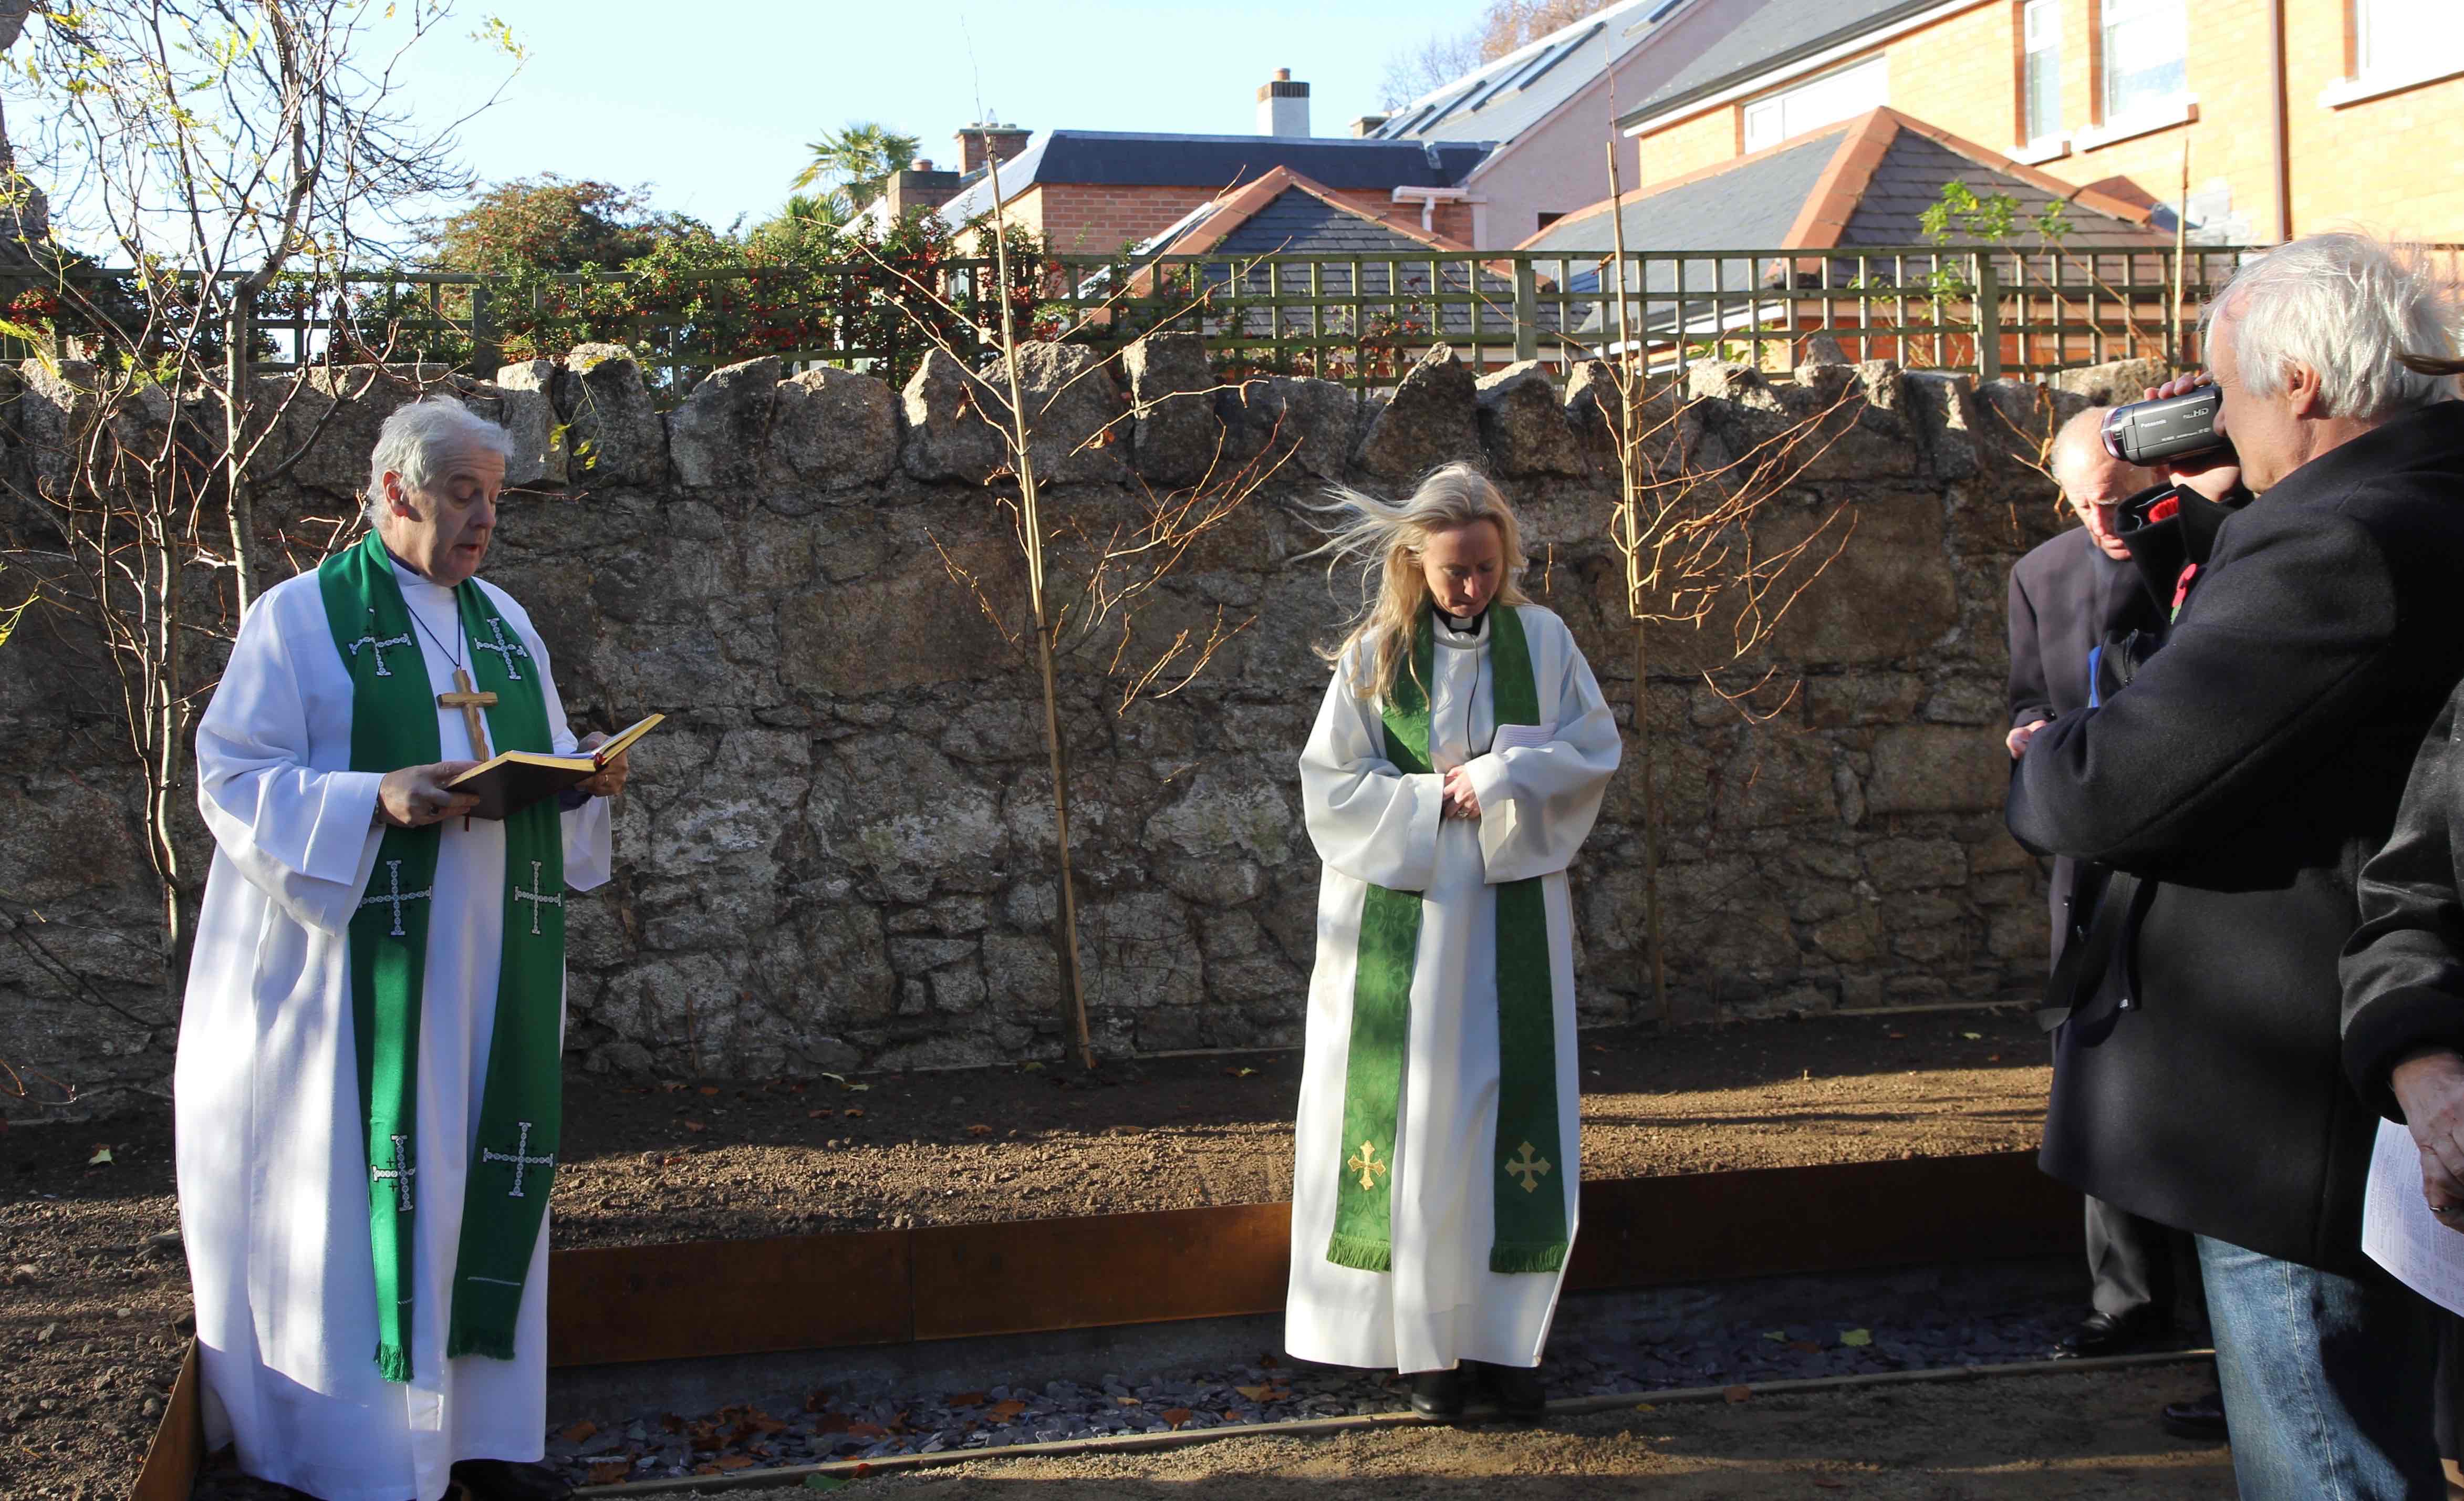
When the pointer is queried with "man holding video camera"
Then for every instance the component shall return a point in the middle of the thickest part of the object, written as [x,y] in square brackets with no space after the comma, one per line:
[2237,784]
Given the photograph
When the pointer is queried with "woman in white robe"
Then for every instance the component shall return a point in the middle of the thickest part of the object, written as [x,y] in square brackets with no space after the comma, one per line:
[1495,808]
[274,1189]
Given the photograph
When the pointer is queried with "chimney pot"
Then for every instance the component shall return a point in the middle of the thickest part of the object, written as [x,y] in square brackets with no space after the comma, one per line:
[1283,106]
[982,140]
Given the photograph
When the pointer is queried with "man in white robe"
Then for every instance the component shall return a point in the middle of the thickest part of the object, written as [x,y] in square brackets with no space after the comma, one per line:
[1538,791]
[275,1188]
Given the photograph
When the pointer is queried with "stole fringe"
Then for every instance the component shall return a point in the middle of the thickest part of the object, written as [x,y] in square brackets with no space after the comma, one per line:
[1360,1253]
[481,1342]
[1511,1257]
[393,1362]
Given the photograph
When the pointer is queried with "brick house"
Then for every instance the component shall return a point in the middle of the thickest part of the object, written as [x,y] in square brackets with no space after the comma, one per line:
[1549,108]
[1095,191]
[1840,188]
[2298,114]
[1285,213]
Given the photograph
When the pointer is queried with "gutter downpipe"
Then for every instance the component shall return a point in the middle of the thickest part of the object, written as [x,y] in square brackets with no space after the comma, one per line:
[2279,147]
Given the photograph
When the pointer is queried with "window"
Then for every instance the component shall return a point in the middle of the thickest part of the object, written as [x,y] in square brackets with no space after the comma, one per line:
[2399,37]
[2040,26]
[2145,47]
[1816,103]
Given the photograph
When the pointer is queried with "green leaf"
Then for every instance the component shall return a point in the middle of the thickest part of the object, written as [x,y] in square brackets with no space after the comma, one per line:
[1856,1338]
[827,1482]
[9,621]
[101,1156]
[1777,1337]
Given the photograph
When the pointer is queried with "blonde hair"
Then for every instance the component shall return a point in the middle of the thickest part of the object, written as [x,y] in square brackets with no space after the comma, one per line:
[1395,593]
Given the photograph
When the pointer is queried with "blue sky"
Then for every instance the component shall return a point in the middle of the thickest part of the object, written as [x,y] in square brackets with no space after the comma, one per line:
[711,103]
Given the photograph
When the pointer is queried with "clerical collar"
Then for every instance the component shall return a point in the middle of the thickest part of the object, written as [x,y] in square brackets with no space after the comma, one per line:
[408,574]
[1463,624]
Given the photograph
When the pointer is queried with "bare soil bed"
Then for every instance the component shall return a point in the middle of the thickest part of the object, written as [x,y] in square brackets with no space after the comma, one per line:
[94,1305]
[2010,1438]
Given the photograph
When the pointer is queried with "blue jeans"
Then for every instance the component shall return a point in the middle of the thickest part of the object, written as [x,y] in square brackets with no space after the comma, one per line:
[2326,1379]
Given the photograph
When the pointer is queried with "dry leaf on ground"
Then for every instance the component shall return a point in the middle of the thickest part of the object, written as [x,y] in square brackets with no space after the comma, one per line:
[580,1432]
[1177,1415]
[1738,1394]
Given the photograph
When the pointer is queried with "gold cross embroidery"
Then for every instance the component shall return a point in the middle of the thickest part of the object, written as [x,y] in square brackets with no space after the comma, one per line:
[1367,1166]
[1530,1167]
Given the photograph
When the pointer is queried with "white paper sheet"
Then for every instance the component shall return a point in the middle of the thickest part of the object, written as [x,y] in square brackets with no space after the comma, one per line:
[1510,736]
[2398,1230]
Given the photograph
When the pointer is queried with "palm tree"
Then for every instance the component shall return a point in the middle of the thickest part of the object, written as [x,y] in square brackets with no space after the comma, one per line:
[861,157]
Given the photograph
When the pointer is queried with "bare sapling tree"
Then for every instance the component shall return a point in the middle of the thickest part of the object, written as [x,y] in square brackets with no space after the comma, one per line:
[216,150]
[1692,530]
[1114,571]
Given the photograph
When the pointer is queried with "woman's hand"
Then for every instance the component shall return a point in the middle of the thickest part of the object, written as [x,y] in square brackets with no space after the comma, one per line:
[415,796]
[1458,799]
[609,780]
[2428,1084]
[2017,739]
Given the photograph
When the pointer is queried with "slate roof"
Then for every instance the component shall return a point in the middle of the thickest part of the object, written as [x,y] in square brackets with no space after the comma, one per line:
[1152,159]
[1780,33]
[1287,214]
[1865,181]
[1502,99]
[1751,206]
[1297,221]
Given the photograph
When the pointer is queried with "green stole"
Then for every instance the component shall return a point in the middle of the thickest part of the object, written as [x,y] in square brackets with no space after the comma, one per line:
[393,724]
[1531,1226]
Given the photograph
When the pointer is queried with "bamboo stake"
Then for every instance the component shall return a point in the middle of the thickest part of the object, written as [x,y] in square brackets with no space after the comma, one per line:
[1630,518]
[1032,513]
[2181,246]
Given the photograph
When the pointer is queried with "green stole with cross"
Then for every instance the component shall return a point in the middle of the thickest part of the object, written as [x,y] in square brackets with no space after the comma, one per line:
[1530,1233]
[393,724]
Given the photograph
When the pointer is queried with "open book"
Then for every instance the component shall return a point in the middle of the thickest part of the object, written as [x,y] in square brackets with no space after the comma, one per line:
[517,779]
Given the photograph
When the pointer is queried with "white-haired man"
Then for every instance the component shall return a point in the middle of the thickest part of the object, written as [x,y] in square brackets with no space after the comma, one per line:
[368,1085]
[2238,782]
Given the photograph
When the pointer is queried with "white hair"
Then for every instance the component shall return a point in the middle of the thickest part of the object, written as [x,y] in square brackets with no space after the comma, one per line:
[415,439]
[2349,307]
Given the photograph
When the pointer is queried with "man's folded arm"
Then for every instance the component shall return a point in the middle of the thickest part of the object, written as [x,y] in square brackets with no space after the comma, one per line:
[2259,681]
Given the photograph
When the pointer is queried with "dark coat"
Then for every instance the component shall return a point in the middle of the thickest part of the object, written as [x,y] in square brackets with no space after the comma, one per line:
[2404,971]
[2251,767]
[2066,597]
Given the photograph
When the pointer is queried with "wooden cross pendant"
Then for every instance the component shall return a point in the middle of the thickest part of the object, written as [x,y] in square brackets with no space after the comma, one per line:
[469,702]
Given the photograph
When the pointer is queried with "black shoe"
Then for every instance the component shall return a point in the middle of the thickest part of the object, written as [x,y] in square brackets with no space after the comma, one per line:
[1515,1389]
[502,1480]
[2201,1418]
[2104,1334]
[1437,1395]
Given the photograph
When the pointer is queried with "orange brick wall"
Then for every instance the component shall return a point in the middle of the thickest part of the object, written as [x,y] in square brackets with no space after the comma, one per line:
[2384,164]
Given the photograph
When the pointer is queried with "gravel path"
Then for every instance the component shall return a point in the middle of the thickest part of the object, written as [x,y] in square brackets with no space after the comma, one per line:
[2076,1438]
[875,1422]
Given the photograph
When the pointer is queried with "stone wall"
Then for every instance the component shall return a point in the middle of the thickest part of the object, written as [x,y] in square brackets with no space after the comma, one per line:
[838,852]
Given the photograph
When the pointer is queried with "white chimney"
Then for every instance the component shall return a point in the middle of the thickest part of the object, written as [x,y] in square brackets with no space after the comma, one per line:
[1283,106]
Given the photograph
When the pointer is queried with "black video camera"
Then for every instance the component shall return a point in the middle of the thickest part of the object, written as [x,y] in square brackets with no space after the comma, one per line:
[2147,433]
